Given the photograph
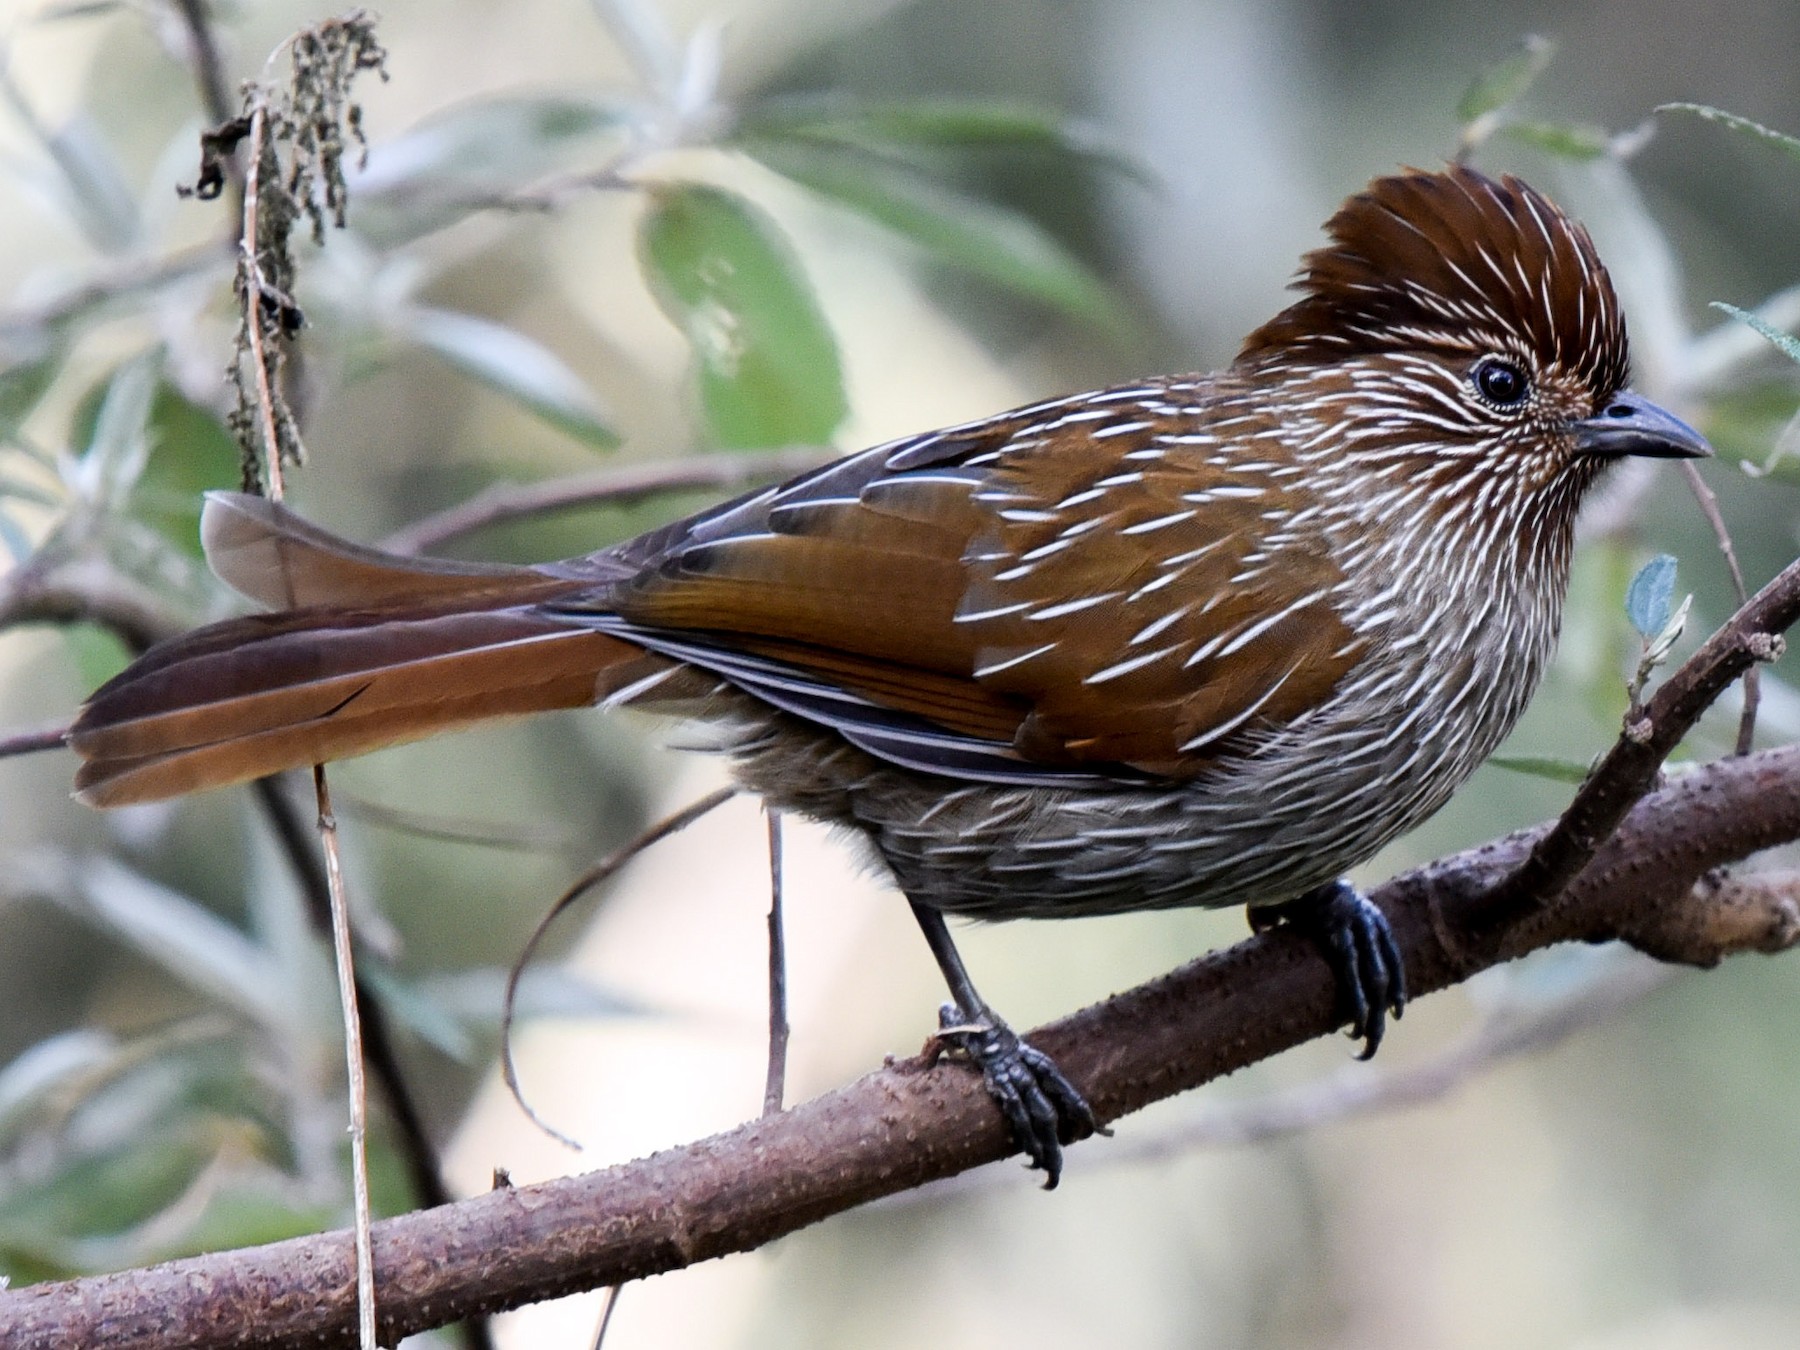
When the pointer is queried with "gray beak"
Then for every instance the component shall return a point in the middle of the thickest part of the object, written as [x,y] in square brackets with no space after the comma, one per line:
[1633,425]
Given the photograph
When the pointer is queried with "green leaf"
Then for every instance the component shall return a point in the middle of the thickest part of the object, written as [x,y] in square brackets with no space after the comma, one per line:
[768,365]
[50,1066]
[1787,342]
[23,386]
[98,653]
[1758,426]
[1651,595]
[246,1214]
[188,940]
[111,1191]
[957,124]
[476,996]
[191,454]
[120,445]
[93,185]
[1780,140]
[1507,80]
[521,368]
[421,1012]
[20,490]
[963,232]
[1565,140]
[1542,766]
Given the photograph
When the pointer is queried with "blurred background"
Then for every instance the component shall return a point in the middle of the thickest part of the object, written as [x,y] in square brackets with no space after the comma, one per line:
[949,208]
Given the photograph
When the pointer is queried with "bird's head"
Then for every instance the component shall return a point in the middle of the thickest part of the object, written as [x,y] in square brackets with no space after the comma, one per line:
[1467,325]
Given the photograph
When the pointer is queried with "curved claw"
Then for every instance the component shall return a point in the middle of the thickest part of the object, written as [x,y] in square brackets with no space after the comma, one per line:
[1354,938]
[1042,1108]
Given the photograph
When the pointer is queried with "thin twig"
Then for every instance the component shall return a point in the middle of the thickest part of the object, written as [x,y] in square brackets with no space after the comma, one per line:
[596,874]
[30,742]
[606,1314]
[1709,507]
[775,1085]
[518,836]
[251,264]
[506,501]
[25,325]
[353,1061]
[209,68]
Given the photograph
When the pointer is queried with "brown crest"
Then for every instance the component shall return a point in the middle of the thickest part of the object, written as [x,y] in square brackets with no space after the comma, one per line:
[1446,260]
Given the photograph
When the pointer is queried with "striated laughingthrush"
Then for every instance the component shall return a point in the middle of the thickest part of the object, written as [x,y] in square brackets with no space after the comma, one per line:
[1202,640]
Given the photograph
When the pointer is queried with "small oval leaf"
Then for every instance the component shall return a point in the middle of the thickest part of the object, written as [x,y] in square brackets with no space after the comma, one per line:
[998,245]
[1543,766]
[1566,140]
[1780,140]
[1507,80]
[1650,595]
[1787,343]
[767,363]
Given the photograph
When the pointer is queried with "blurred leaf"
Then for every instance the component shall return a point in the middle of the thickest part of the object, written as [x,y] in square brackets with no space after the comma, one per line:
[722,271]
[98,653]
[1565,140]
[246,1214]
[1507,80]
[476,996]
[188,940]
[1788,344]
[512,364]
[77,9]
[421,1012]
[191,454]
[89,183]
[110,1191]
[48,1066]
[489,143]
[1543,766]
[14,539]
[963,232]
[1649,596]
[27,492]
[643,34]
[932,124]
[1780,140]
[120,445]
[449,1011]
[24,384]
[1755,425]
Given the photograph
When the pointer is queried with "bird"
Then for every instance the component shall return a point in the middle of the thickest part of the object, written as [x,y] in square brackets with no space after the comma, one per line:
[1204,639]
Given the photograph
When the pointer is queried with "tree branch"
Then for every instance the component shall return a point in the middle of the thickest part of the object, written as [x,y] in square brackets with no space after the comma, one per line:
[910,1123]
[509,501]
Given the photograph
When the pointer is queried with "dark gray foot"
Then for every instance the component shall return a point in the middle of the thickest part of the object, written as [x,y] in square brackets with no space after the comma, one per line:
[1356,942]
[1043,1109]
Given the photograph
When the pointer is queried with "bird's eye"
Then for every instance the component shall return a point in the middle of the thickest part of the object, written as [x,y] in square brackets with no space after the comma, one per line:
[1500,382]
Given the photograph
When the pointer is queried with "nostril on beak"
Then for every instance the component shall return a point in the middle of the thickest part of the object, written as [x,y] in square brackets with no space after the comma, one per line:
[1620,410]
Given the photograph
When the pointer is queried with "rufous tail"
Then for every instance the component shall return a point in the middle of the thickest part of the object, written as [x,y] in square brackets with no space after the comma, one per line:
[379,650]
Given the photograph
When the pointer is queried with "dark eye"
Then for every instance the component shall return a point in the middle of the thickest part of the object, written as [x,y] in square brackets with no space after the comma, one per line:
[1500,382]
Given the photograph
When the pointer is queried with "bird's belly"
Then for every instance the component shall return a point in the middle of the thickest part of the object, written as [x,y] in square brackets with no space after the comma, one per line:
[1256,831]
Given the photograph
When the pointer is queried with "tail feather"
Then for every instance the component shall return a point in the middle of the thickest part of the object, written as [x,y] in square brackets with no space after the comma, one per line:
[420,651]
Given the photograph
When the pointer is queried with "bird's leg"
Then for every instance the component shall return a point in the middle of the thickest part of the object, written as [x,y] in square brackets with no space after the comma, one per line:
[1043,1109]
[1356,942]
